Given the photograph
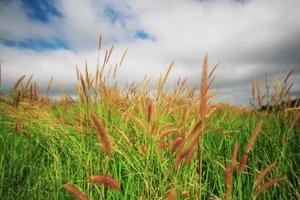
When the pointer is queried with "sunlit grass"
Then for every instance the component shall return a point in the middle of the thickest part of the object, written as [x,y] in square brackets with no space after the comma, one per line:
[127,135]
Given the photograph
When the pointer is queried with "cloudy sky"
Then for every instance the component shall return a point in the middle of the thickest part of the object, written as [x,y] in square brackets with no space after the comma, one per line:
[247,37]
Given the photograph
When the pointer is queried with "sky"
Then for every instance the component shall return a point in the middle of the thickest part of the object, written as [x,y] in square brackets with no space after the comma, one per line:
[247,38]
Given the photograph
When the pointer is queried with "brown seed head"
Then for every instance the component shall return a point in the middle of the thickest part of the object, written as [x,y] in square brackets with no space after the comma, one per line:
[234,157]
[99,42]
[180,156]
[228,178]
[172,195]
[163,145]
[102,134]
[288,75]
[106,180]
[75,191]
[270,183]
[149,116]
[264,173]
[144,149]
[186,194]
[177,143]
[16,85]
[168,132]
[203,97]
[253,137]
[243,163]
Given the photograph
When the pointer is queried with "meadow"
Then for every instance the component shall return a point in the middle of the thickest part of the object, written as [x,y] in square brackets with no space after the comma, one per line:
[131,143]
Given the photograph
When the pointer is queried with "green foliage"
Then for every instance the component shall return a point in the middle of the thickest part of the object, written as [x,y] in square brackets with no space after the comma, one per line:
[36,160]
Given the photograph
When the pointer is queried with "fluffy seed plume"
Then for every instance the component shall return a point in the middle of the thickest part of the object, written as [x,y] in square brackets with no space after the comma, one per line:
[288,89]
[99,42]
[270,183]
[194,130]
[144,149]
[123,57]
[106,180]
[264,173]
[185,194]
[49,86]
[288,75]
[243,163]
[191,148]
[168,132]
[180,156]
[16,85]
[172,195]
[203,97]
[253,137]
[228,181]
[17,99]
[228,178]
[102,134]
[109,54]
[234,157]
[28,82]
[212,71]
[163,145]
[177,143]
[75,191]
[149,116]
[83,86]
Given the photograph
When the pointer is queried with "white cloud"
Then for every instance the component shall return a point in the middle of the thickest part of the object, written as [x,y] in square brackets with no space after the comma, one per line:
[247,39]
[16,25]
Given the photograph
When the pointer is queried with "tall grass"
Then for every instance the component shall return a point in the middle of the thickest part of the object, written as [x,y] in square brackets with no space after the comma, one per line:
[131,144]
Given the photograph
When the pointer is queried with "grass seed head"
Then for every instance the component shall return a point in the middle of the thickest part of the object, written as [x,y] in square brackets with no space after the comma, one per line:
[172,195]
[264,173]
[75,191]
[243,163]
[228,178]
[106,180]
[168,132]
[270,183]
[234,157]
[149,116]
[163,145]
[186,194]
[16,85]
[203,96]
[102,134]
[253,137]
[177,143]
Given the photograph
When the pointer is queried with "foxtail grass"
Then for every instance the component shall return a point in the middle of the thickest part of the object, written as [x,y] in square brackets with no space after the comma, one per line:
[75,191]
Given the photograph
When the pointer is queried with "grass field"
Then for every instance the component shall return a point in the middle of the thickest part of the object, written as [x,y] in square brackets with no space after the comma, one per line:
[132,144]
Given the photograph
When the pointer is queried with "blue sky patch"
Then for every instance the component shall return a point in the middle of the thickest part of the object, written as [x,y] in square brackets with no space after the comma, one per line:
[114,15]
[36,44]
[40,10]
[141,34]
